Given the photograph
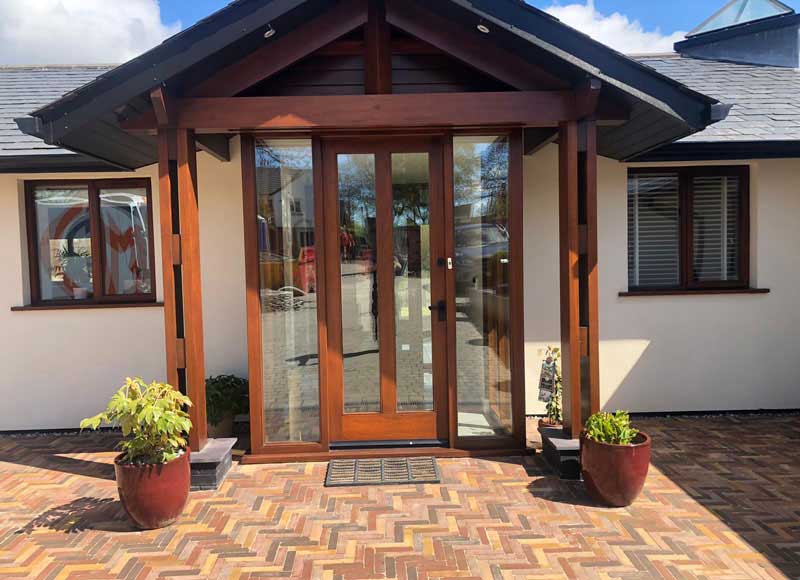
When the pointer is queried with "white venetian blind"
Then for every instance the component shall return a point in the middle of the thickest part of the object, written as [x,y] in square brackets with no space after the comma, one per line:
[653,230]
[715,224]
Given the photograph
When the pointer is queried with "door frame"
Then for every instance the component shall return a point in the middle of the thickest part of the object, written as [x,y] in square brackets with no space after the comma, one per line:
[388,425]
[264,451]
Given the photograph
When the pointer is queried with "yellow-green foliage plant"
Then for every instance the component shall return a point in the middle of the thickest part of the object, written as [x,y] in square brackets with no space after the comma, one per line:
[613,428]
[153,420]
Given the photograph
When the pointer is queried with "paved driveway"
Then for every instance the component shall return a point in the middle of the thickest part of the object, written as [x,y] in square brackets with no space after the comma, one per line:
[722,501]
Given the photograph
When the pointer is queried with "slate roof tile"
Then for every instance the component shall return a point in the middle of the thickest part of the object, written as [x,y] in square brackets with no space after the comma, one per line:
[765,99]
[26,88]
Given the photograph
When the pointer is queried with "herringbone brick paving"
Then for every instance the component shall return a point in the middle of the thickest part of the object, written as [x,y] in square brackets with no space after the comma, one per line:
[722,501]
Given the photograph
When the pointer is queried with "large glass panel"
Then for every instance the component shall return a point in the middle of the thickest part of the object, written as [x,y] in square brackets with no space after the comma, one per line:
[412,281]
[715,227]
[287,267]
[359,283]
[126,246]
[64,242]
[483,339]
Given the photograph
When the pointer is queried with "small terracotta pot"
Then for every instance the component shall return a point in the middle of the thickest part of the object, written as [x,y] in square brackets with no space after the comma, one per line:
[615,474]
[547,424]
[153,495]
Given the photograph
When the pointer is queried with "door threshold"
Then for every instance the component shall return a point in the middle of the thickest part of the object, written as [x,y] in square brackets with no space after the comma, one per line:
[389,444]
[442,452]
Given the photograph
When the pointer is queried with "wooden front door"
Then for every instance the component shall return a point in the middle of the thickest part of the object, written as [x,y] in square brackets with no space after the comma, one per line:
[385,267]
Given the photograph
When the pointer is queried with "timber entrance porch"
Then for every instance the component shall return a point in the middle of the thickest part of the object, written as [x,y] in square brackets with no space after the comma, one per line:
[383,235]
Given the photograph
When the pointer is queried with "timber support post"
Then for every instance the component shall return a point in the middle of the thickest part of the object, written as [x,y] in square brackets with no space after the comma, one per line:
[579,272]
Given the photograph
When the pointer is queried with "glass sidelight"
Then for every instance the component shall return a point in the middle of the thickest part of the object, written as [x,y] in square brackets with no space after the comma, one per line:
[288,290]
[482,279]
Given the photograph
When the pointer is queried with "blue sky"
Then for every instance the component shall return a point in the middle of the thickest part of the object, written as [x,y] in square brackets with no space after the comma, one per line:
[669,15]
[113,31]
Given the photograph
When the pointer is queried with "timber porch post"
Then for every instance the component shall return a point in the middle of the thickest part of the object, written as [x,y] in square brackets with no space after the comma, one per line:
[578,272]
[180,258]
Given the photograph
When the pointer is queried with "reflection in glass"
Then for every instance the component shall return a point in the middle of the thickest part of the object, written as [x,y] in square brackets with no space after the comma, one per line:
[359,283]
[412,281]
[287,267]
[482,281]
[124,221]
[64,243]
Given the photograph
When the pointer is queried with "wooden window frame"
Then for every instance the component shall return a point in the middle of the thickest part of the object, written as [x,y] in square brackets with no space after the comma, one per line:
[688,284]
[99,297]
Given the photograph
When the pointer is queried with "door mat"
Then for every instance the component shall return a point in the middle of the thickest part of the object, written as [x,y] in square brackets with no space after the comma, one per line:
[385,471]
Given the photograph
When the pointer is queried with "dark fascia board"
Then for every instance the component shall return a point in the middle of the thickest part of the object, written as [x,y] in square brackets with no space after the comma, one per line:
[596,59]
[158,65]
[771,23]
[53,163]
[722,151]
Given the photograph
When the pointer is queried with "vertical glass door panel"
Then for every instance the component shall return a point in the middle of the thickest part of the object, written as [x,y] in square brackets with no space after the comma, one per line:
[412,281]
[287,271]
[359,282]
[483,333]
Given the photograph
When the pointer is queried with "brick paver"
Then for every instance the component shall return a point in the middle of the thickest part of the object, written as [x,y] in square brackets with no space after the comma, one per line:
[722,501]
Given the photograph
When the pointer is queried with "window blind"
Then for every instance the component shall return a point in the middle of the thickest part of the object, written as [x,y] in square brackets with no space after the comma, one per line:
[653,230]
[715,228]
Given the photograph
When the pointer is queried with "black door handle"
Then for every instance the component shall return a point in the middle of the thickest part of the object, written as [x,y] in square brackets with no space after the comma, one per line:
[441,306]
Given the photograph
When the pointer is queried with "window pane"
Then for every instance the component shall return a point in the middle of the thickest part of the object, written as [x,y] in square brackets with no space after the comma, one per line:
[653,230]
[412,281]
[126,242]
[64,243]
[359,283]
[483,339]
[715,221]
[287,266]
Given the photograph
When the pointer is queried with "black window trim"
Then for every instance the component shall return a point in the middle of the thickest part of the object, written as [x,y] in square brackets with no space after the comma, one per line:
[686,263]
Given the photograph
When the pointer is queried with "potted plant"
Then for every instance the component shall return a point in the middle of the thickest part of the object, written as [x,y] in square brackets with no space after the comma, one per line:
[153,469]
[552,417]
[226,397]
[615,458]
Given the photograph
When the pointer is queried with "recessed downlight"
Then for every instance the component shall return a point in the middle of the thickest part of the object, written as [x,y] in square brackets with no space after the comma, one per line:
[483,28]
[269,32]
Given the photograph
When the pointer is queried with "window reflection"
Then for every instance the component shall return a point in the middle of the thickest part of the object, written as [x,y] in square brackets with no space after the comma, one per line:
[287,268]
[359,283]
[64,243]
[124,220]
[482,283]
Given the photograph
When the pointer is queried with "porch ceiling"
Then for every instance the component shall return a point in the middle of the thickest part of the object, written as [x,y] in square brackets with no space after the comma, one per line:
[87,120]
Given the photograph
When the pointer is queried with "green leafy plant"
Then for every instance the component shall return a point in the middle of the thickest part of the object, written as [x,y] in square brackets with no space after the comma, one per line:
[226,394]
[153,420]
[553,407]
[614,428]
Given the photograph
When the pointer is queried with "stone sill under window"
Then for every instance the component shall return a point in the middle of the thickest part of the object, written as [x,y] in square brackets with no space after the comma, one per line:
[694,292]
[86,306]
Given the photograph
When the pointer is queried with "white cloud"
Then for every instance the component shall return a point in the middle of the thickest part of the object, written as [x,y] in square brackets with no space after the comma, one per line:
[79,31]
[615,30]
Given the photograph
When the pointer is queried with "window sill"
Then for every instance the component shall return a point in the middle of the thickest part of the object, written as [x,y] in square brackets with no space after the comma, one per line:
[87,306]
[701,291]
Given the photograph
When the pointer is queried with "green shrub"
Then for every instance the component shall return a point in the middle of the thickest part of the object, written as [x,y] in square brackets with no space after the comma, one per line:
[611,428]
[226,394]
[153,420]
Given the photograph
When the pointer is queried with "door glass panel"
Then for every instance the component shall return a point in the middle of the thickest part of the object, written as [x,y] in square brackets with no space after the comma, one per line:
[126,244]
[287,269]
[483,338]
[64,243]
[359,283]
[412,281]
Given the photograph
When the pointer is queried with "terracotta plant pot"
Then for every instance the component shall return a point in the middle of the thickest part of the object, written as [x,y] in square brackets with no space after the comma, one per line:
[153,495]
[545,423]
[222,429]
[614,475]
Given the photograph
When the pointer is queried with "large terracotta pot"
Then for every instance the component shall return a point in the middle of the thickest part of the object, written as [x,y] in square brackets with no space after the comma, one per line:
[153,495]
[615,474]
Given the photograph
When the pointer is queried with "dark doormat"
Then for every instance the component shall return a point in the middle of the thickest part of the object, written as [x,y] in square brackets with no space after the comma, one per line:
[385,471]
